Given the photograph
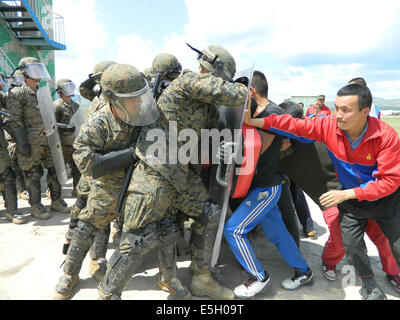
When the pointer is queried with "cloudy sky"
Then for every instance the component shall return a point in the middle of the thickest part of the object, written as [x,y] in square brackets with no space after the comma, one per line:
[307,47]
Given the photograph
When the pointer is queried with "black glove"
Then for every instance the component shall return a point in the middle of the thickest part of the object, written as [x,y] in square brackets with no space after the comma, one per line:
[65,127]
[22,143]
[113,161]
[226,152]
[90,83]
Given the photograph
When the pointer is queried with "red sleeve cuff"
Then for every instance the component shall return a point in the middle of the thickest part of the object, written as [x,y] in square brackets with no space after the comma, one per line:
[267,124]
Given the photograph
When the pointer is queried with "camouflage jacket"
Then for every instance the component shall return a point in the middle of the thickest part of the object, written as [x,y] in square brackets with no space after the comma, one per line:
[190,101]
[97,104]
[64,112]
[102,133]
[22,105]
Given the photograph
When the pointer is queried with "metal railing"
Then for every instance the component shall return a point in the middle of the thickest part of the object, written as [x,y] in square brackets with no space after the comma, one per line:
[6,65]
[51,22]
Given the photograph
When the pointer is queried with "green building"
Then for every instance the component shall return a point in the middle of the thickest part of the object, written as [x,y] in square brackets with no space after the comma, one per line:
[29,28]
[308,101]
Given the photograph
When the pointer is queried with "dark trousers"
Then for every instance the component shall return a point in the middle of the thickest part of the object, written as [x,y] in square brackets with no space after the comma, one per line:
[353,229]
[303,212]
[288,212]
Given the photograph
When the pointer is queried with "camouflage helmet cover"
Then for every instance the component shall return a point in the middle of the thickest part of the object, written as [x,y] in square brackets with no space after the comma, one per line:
[65,86]
[122,78]
[100,68]
[126,88]
[34,68]
[26,61]
[219,61]
[166,63]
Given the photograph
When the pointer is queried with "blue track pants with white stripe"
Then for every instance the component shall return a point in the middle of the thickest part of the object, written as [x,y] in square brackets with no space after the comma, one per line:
[260,208]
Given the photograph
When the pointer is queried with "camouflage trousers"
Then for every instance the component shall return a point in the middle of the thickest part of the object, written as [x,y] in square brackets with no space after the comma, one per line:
[101,204]
[68,150]
[20,181]
[152,198]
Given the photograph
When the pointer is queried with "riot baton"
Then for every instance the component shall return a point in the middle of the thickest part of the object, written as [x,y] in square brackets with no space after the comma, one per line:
[129,173]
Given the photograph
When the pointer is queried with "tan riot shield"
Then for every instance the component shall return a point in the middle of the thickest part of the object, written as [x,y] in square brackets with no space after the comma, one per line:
[230,118]
[50,124]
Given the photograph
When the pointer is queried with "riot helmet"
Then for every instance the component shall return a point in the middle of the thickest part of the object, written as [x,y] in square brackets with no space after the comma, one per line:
[99,69]
[167,65]
[65,87]
[126,88]
[217,60]
[34,69]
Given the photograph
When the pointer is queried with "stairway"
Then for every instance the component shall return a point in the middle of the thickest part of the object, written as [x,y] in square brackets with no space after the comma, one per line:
[29,27]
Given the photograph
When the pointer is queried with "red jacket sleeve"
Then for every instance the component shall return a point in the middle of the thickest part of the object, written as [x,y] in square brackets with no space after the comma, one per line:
[313,129]
[388,173]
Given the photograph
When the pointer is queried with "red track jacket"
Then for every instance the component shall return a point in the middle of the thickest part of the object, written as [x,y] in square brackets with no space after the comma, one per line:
[372,169]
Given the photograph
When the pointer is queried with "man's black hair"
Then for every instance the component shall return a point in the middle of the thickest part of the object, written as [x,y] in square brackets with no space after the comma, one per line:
[292,108]
[260,83]
[363,93]
[360,81]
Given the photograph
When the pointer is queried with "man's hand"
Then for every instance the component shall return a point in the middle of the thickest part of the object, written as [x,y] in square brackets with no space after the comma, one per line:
[285,144]
[226,152]
[335,197]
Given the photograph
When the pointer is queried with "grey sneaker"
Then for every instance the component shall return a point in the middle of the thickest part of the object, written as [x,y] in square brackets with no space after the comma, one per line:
[298,279]
[371,291]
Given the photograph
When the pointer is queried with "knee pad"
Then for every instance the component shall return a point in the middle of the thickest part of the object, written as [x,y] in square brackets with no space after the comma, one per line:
[85,229]
[144,240]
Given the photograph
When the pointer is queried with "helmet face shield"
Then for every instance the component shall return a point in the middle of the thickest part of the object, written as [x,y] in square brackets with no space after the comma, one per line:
[37,70]
[139,108]
[68,89]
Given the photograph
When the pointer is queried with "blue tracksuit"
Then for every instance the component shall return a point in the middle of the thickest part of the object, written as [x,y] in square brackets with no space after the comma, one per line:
[260,208]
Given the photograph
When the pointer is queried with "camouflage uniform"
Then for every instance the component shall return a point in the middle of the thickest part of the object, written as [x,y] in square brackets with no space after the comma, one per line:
[7,175]
[83,187]
[102,133]
[24,113]
[64,111]
[157,189]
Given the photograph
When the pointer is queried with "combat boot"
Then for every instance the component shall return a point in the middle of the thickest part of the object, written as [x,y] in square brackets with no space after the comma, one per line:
[97,269]
[175,288]
[39,211]
[15,218]
[65,286]
[203,284]
[10,198]
[59,206]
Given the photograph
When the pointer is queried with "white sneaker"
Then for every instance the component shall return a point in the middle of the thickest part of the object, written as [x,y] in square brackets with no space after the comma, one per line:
[329,272]
[297,280]
[251,287]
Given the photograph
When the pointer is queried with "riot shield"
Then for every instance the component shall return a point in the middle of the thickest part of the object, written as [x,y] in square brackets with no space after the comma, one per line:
[230,118]
[77,120]
[50,124]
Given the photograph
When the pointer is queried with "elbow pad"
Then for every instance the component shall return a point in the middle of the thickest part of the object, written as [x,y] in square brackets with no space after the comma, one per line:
[113,161]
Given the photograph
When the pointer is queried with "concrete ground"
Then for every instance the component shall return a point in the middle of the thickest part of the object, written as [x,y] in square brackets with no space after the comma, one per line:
[31,255]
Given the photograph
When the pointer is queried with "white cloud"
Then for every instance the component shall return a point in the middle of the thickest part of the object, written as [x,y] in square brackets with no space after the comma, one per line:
[264,32]
[85,36]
